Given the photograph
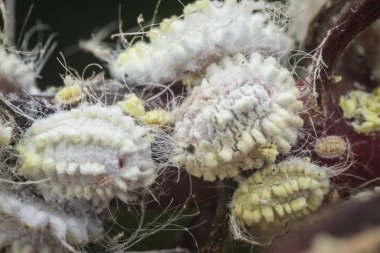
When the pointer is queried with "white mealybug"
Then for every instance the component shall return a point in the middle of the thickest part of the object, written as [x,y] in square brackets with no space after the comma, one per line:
[242,115]
[269,199]
[28,225]
[181,48]
[94,153]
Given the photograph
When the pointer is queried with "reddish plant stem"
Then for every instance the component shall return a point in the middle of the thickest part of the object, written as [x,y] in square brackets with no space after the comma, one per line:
[327,118]
[323,21]
[359,16]
[219,229]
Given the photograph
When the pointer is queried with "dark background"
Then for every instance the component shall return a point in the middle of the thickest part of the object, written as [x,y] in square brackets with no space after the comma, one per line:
[74,20]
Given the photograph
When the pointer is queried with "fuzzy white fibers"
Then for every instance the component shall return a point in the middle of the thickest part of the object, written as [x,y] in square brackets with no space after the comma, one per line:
[5,133]
[242,115]
[18,71]
[301,14]
[207,32]
[28,225]
[92,153]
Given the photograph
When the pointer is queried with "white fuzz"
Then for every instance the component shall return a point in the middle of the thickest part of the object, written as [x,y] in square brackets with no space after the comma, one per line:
[181,48]
[18,71]
[242,115]
[268,200]
[28,226]
[93,152]
[301,14]
[5,134]
[366,195]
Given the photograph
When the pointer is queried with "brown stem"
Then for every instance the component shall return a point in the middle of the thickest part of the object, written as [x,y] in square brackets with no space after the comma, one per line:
[359,16]
[323,21]
[218,235]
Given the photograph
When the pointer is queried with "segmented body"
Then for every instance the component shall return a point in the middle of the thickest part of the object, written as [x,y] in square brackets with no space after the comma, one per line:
[244,113]
[29,225]
[93,153]
[330,147]
[280,193]
[182,48]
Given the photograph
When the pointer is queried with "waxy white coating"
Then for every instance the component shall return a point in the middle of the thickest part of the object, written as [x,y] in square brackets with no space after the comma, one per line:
[242,115]
[207,32]
[93,153]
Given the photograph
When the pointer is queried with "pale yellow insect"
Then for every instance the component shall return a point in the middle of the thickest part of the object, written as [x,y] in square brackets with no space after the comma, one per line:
[270,199]
[330,147]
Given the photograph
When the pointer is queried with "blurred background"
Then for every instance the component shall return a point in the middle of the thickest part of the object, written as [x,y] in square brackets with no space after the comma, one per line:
[73,20]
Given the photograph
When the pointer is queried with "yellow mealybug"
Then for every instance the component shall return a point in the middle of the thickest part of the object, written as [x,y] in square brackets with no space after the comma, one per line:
[265,202]
[132,105]
[69,95]
[135,106]
[157,117]
[364,109]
